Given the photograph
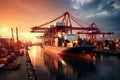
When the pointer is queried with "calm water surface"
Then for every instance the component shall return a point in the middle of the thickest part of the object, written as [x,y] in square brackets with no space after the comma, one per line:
[88,67]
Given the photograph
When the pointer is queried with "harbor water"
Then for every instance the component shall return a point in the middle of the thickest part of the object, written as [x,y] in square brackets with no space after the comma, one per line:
[97,67]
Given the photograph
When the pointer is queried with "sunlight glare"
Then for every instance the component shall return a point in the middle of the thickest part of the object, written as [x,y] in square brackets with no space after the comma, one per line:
[28,37]
[5,29]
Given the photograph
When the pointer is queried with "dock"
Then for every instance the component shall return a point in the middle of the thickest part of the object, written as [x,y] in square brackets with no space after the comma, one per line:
[20,74]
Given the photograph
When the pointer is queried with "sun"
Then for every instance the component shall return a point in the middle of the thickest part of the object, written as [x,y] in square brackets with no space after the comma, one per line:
[5,29]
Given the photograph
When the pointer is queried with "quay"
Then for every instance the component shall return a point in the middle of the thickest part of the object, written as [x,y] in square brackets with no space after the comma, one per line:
[12,58]
[10,73]
[15,63]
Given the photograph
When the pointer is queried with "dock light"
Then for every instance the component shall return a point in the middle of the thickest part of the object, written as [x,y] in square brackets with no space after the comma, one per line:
[63,62]
[75,41]
[90,31]
[101,36]
[59,35]
[117,42]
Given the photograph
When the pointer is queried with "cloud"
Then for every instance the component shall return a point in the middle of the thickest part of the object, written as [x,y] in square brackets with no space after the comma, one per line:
[116,5]
[103,12]
[96,7]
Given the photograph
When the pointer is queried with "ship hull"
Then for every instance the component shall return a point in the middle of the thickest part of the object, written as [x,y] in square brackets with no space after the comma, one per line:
[75,50]
[81,53]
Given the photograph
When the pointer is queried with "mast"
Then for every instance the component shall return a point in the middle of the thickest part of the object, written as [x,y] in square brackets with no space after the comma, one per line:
[17,35]
[12,36]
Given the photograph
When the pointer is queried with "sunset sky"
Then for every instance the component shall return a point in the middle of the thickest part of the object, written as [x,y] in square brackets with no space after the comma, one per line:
[25,14]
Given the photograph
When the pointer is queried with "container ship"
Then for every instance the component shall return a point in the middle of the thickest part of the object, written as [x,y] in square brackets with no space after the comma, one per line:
[63,37]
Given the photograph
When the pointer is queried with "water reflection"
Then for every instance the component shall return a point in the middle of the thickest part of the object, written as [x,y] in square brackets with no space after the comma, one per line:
[36,55]
[75,67]
[37,59]
[99,67]
[108,67]
[100,59]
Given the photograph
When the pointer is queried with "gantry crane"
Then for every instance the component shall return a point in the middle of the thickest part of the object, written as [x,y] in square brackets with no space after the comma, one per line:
[51,32]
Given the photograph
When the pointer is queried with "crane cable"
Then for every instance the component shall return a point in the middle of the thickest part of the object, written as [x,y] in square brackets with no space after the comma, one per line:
[78,20]
[75,21]
[51,21]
